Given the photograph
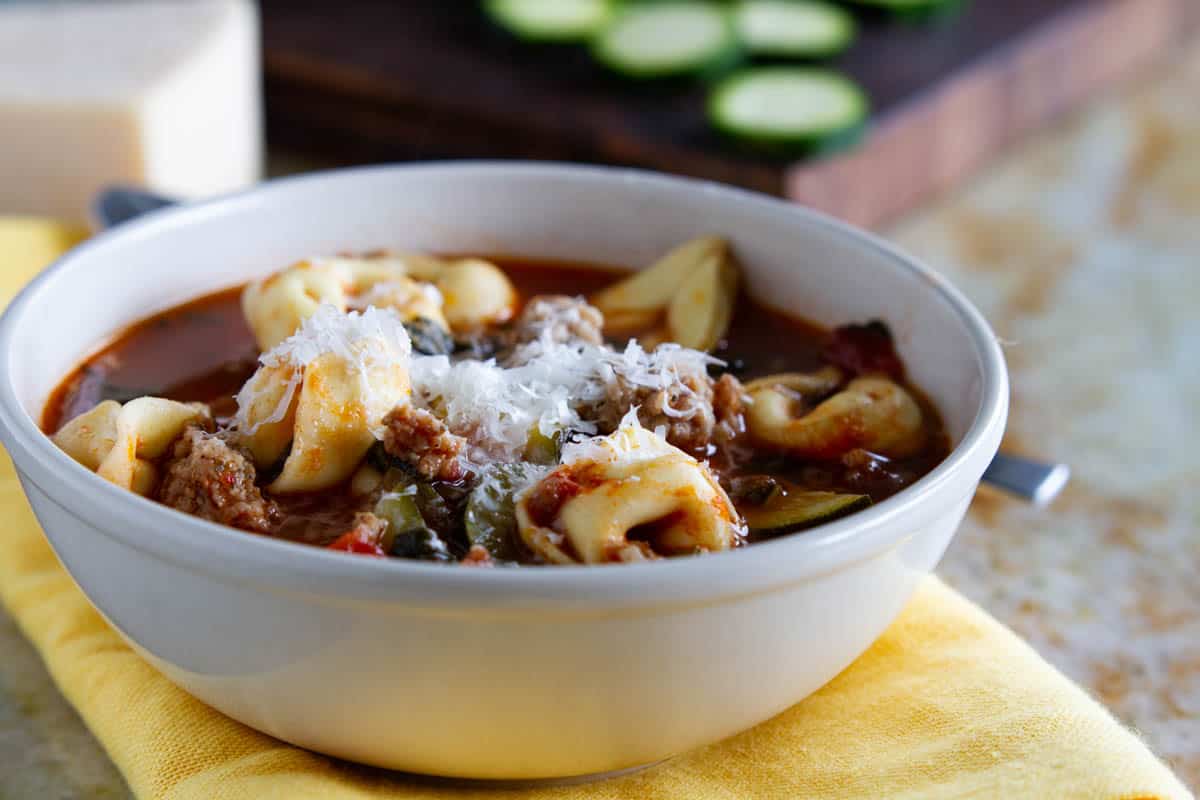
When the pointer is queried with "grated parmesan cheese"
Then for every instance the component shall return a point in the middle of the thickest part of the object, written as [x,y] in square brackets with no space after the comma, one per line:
[366,340]
[629,443]
[497,408]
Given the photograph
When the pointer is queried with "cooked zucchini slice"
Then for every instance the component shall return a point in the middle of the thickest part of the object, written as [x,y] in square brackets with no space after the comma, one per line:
[491,518]
[792,510]
[543,449]
[401,514]
[407,535]
[789,109]
[667,39]
[793,28]
[550,21]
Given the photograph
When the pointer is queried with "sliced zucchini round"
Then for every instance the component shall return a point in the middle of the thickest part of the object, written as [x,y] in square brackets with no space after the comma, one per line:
[789,109]
[550,21]
[666,39]
[490,517]
[793,28]
[792,510]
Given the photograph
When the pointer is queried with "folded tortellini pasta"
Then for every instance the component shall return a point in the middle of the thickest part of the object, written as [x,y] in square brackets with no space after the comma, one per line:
[687,297]
[628,496]
[119,442]
[477,293]
[275,306]
[873,413]
[323,393]
[455,294]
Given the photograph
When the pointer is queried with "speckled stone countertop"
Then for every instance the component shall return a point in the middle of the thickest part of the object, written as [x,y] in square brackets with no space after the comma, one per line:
[1083,248]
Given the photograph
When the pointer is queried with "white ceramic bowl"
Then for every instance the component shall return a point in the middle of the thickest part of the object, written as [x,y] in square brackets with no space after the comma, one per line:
[504,673]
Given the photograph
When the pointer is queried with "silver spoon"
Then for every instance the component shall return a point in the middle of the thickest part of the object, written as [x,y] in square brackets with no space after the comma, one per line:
[120,204]
[1029,480]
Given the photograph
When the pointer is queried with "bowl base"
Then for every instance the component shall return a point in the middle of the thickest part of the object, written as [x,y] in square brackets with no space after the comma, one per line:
[530,783]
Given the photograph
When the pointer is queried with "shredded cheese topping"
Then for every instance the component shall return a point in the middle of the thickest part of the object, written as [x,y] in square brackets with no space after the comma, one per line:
[366,340]
[629,444]
[497,408]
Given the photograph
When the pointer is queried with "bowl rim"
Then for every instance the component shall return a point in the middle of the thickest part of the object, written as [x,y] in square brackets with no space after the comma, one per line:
[233,555]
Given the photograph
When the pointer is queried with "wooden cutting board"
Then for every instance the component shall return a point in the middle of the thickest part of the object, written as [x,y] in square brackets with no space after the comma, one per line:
[369,80]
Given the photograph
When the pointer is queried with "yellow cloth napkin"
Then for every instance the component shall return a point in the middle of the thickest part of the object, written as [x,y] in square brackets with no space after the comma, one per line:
[948,704]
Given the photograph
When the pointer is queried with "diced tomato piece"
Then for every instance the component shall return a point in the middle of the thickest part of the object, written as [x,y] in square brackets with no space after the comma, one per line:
[865,349]
[352,542]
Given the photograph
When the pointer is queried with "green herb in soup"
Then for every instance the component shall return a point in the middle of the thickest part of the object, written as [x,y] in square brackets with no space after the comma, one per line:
[499,412]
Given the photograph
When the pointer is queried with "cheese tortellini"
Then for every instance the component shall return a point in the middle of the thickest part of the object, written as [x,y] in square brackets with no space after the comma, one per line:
[629,496]
[460,294]
[692,289]
[275,306]
[873,413]
[477,293]
[324,392]
[118,442]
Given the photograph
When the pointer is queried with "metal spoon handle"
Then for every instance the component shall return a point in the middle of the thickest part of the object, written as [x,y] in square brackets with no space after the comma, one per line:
[1038,483]
[1030,480]
[120,204]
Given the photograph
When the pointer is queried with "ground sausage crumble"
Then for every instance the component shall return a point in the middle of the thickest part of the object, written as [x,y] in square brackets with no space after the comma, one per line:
[422,441]
[207,477]
[562,319]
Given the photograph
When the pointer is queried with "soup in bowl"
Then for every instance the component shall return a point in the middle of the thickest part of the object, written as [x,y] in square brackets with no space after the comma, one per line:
[478,412]
[379,501]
